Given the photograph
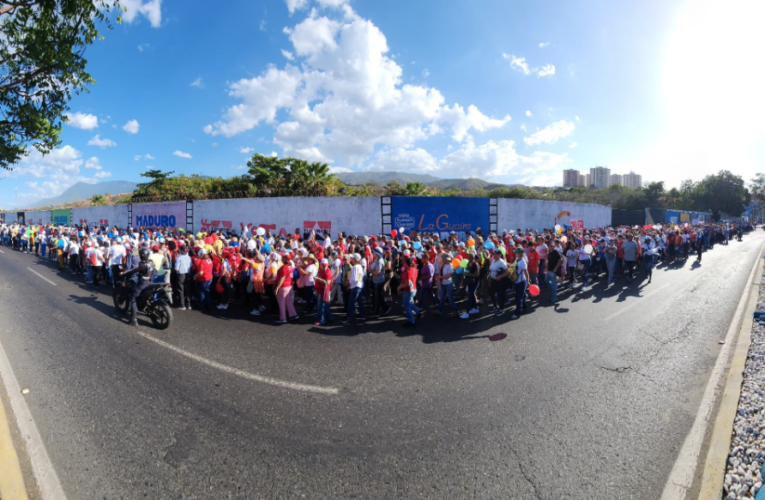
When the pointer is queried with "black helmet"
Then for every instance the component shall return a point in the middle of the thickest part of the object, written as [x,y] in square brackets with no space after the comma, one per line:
[143,254]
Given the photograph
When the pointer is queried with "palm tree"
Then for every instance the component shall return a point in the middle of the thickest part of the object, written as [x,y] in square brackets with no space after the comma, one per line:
[415,189]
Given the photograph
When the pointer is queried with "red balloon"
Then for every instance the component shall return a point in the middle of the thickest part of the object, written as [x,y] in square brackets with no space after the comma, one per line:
[534,290]
[393,233]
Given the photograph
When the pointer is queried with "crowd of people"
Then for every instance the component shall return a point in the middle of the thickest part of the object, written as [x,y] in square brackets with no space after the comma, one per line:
[364,277]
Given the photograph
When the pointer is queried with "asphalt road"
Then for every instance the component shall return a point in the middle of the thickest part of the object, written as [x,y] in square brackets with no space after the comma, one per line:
[589,399]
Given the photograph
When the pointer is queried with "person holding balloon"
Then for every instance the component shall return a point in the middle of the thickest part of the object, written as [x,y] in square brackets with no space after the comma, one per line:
[520,282]
[446,288]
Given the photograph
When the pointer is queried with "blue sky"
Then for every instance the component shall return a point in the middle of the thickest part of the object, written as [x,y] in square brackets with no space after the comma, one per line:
[505,91]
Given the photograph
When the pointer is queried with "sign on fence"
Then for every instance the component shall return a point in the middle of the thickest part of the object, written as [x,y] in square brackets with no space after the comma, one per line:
[171,215]
[441,215]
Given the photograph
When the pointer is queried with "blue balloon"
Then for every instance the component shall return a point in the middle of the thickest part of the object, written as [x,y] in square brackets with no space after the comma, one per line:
[488,245]
[417,245]
[266,248]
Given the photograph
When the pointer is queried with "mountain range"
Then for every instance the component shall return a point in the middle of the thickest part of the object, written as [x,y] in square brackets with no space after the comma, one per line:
[383,178]
[82,191]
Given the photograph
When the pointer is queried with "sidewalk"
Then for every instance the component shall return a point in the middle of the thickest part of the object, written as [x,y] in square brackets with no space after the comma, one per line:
[11,479]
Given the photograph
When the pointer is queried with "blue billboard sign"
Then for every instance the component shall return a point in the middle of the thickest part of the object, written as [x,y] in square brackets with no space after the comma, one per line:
[440,215]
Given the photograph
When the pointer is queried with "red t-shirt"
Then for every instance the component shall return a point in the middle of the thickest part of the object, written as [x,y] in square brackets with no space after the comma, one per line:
[285,271]
[409,274]
[533,261]
[205,267]
[325,274]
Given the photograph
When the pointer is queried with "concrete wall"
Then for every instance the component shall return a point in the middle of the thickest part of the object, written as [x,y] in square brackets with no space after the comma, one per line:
[540,214]
[171,215]
[37,217]
[107,216]
[284,215]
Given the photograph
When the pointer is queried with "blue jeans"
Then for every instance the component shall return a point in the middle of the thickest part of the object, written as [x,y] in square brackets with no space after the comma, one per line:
[648,265]
[325,314]
[203,290]
[409,308]
[471,289]
[610,265]
[520,297]
[355,298]
[447,291]
[585,270]
[552,283]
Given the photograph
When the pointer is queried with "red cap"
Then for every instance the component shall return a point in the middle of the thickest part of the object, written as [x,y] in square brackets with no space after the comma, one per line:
[155,248]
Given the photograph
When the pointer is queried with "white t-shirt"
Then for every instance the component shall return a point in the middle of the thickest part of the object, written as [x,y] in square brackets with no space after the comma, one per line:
[116,255]
[357,276]
[74,249]
[309,278]
[571,256]
[520,266]
[497,267]
[337,276]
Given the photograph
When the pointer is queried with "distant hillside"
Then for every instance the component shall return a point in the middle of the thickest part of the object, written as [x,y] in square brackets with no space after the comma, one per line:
[467,184]
[383,178]
[82,191]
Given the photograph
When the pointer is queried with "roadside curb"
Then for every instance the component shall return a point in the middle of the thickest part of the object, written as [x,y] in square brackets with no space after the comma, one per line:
[719,446]
[11,480]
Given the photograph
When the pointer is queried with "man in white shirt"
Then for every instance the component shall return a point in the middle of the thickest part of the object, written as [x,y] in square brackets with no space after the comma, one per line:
[116,258]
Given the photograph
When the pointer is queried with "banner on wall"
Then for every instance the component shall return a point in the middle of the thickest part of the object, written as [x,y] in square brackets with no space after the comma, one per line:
[537,215]
[61,217]
[283,216]
[440,215]
[20,217]
[102,216]
[39,218]
[154,215]
[2,218]
[577,224]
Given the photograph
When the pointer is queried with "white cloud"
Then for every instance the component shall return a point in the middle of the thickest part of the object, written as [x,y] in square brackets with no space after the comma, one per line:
[131,127]
[520,64]
[543,45]
[137,157]
[546,70]
[274,154]
[238,167]
[197,83]
[53,172]
[528,113]
[181,154]
[262,26]
[346,98]
[339,170]
[425,73]
[293,5]
[148,156]
[574,144]
[551,133]
[576,117]
[151,9]
[145,157]
[215,144]
[102,143]
[93,163]
[288,54]
[246,150]
[144,46]
[82,120]
[523,127]
[102,175]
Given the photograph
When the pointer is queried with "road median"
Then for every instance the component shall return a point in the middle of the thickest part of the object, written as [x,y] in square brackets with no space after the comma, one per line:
[11,479]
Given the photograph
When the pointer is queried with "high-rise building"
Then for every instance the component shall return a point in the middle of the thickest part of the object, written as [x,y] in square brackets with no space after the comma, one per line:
[582,180]
[616,179]
[587,180]
[600,177]
[632,180]
[570,178]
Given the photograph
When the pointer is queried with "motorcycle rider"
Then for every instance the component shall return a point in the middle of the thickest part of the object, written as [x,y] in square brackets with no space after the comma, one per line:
[145,270]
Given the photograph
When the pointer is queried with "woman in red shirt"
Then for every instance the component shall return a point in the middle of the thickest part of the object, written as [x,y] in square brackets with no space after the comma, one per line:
[283,288]
[323,282]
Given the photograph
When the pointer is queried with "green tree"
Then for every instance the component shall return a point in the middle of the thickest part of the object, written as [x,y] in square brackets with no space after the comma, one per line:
[155,185]
[97,200]
[415,189]
[722,192]
[42,48]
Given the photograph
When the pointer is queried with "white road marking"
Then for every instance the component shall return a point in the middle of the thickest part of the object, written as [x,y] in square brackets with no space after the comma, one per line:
[250,376]
[1,251]
[46,476]
[43,277]
[635,303]
[681,478]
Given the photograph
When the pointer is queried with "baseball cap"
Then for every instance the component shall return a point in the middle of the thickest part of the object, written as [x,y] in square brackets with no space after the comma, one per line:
[324,261]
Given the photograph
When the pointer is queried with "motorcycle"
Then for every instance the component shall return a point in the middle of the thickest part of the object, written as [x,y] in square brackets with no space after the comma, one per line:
[153,301]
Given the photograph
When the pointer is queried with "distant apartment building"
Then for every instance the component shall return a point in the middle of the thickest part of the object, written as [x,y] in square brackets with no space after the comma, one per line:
[570,178]
[582,181]
[632,180]
[588,180]
[600,177]
[616,180]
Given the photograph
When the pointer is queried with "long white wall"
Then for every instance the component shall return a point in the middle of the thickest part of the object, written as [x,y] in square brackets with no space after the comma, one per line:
[37,217]
[540,214]
[284,215]
[107,216]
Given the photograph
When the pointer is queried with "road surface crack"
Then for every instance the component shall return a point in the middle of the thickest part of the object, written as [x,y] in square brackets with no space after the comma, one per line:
[525,474]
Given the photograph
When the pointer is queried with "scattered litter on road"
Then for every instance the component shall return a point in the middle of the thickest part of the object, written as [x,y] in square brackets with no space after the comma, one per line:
[721,342]
[25,391]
